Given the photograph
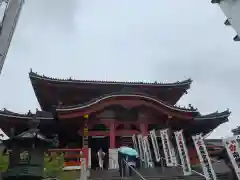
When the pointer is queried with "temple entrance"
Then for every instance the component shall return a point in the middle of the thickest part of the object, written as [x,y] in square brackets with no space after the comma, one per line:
[95,143]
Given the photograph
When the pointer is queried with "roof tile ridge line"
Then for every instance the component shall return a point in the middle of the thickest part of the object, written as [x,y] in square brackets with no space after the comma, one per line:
[23,117]
[218,115]
[90,103]
[183,82]
[9,112]
[29,114]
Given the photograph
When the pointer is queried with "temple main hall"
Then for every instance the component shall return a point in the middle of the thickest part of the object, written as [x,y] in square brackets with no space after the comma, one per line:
[110,111]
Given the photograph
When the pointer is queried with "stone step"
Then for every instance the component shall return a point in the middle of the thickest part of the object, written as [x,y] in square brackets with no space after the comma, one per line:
[162,178]
[173,173]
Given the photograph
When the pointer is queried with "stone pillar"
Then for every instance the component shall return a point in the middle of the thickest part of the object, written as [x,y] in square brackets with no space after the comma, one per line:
[113,154]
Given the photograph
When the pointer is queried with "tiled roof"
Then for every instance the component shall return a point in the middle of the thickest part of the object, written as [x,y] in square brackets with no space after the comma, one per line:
[29,115]
[215,115]
[70,80]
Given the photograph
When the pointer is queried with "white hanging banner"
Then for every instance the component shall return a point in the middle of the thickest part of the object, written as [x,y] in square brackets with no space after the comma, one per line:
[174,157]
[147,151]
[140,145]
[183,153]
[167,147]
[232,146]
[204,157]
[3,135]
[155,145]
[135,145]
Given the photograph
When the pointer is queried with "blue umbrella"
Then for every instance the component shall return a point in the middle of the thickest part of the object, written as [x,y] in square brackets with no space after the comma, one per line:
[128,151]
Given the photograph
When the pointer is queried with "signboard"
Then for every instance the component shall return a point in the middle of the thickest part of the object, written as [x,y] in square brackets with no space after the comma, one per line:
[183,153]
[85,132]
[232,147]
[134,139]
[140,145]
[155,145]
[147,152]
[204,157]
[167,147]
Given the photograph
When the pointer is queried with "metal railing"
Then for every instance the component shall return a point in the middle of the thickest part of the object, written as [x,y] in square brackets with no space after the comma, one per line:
[196,172]
[128,167]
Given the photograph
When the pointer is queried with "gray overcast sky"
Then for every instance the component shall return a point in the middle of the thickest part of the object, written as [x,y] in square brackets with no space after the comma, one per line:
[126,40]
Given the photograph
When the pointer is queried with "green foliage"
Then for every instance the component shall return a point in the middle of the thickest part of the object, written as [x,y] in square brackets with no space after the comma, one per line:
[3,163]
[52,167]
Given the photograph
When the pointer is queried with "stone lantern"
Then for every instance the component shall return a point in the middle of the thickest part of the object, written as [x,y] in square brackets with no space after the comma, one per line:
[26,153]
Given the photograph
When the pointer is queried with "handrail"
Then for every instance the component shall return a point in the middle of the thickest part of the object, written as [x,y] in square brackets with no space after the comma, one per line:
[114,160]
[134,170]
[191,169]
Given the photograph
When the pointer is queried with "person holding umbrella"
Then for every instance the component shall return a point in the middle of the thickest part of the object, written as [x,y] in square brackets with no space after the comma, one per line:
[126,157]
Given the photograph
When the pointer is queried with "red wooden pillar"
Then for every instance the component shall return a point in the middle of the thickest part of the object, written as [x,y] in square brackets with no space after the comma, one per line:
[112,135]
[144,129]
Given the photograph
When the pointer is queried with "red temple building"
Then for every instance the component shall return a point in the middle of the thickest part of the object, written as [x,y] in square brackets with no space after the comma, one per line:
[110,112]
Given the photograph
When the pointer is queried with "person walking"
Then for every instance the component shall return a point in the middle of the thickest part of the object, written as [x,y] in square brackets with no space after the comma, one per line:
[131,161]
[127,158]
[100,156]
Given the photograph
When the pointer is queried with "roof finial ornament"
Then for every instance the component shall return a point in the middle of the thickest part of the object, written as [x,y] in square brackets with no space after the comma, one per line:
[190,106]
[29,112]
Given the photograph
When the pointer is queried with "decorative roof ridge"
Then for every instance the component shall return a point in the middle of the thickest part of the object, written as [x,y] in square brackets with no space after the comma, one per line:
[190,108]
[9,112]
[214,115]
[178,83]
[29,115]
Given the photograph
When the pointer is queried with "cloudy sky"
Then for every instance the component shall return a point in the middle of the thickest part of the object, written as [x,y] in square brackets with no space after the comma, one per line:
[127,40]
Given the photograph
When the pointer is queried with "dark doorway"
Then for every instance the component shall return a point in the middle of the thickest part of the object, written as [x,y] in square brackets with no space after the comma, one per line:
[95,143]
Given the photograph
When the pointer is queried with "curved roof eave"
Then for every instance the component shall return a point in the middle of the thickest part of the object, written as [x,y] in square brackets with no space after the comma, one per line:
[185,83]
[216,115]
[107,97]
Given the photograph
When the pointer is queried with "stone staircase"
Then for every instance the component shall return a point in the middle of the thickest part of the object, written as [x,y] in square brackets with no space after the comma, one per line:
[166,173]
[127,141]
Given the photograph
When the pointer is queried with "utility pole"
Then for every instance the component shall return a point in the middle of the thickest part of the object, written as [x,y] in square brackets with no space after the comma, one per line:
[11,10]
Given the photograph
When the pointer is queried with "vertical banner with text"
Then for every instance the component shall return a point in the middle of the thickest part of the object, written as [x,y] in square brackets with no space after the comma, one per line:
[155,145]
[232,147]
[204,157]
[140,145]
[183,153]
[167,147]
